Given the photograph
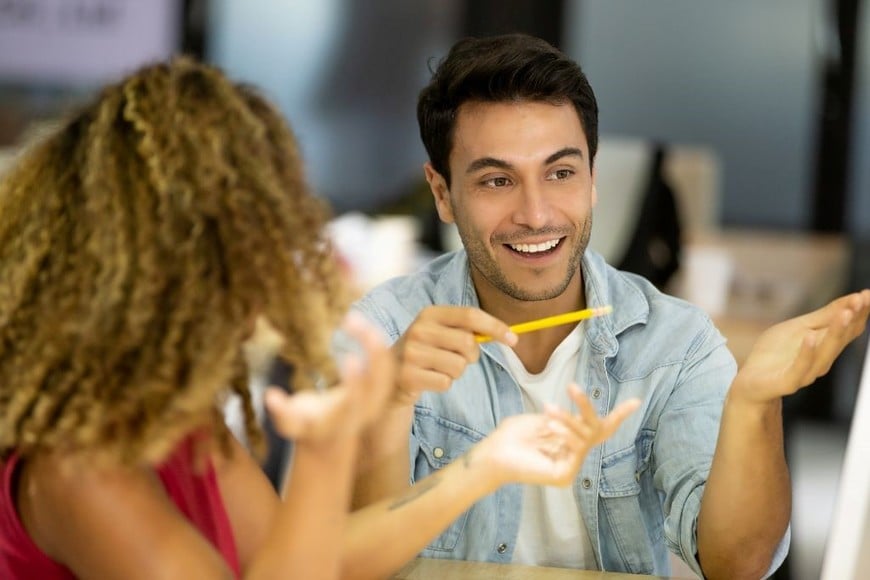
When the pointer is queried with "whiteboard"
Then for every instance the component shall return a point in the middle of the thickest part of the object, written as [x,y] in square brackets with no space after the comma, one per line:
[847,556]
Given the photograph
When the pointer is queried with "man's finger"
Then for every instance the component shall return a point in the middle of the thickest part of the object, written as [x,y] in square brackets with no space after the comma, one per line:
[471,319]
[799,372]
[428,356]
[414,380]
[825,315]
[835,340]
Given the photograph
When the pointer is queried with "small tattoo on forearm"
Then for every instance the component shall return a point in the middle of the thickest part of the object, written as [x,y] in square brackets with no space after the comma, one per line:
[418,490]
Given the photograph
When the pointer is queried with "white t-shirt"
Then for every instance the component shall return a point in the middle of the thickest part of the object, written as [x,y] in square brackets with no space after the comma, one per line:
[552,532]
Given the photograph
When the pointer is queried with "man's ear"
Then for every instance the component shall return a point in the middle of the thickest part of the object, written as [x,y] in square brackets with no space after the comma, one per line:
[594,189]
[440,192]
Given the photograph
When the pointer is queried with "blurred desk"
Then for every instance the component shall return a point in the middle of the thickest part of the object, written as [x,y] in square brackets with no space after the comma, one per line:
[427,569]
[777,275]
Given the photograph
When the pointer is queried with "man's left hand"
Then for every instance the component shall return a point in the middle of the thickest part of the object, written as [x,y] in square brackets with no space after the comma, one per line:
[793,354]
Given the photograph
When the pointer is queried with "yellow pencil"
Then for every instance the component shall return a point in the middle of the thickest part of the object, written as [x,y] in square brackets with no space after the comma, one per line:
[557,320]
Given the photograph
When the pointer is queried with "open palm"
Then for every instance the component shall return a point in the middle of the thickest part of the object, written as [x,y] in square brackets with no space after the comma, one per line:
[548,449]
[535,449]
[793,354]
[345,409]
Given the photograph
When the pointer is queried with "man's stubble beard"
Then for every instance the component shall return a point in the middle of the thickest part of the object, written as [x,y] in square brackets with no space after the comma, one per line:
[482,261]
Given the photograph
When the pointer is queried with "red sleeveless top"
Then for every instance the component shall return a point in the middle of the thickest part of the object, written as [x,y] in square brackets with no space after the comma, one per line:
[196,495]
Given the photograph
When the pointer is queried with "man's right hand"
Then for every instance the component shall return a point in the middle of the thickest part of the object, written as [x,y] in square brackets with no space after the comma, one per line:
[438,345]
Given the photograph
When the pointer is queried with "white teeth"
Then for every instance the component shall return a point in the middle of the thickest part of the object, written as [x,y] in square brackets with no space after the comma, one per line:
[535,248]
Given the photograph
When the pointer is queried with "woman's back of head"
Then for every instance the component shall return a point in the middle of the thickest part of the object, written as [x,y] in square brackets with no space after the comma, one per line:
[137,245]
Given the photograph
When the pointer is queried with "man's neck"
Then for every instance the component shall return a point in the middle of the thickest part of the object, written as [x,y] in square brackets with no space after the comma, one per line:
[534,348]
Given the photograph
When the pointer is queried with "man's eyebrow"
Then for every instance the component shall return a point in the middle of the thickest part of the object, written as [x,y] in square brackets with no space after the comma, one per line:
[484,162]
[567,151]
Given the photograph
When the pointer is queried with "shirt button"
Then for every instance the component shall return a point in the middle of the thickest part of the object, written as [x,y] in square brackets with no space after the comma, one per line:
[501,549]
[586,483]
[596,393]
[438,453]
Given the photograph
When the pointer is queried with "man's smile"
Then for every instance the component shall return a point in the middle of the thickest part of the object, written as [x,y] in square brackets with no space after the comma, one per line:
[535,250]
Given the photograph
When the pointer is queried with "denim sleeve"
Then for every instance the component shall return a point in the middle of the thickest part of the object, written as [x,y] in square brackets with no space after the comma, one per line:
[686,439]
[341,344]
[686,443]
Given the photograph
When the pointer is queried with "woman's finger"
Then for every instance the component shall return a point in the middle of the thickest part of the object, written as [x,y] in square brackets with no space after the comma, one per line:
[369,381]
[307,415]
[587,411]
[614,419]
[574,424]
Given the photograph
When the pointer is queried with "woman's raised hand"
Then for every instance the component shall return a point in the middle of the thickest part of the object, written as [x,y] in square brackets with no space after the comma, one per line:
[548,448]
[344,410]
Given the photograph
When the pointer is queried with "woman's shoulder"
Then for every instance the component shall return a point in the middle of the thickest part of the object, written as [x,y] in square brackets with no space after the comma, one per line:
[85,512]
[21,556]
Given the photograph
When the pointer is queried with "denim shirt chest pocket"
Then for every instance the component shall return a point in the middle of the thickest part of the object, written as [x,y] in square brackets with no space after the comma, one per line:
[441,442]
[623,524]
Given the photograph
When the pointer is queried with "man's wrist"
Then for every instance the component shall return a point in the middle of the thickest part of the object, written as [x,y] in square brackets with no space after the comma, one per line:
[743,399]
[401,400]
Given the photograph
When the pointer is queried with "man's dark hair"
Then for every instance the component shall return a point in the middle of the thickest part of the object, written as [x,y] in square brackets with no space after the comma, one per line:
[511,67]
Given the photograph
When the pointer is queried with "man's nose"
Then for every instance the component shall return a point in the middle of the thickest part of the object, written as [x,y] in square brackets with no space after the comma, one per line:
[533,210]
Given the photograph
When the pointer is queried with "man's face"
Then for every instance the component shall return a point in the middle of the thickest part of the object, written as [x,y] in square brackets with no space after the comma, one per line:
[521,195]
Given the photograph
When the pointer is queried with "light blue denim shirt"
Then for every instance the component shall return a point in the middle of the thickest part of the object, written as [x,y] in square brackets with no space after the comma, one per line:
[640,491]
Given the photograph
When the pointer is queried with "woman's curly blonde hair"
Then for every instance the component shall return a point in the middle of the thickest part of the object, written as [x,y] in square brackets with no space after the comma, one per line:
[137,246]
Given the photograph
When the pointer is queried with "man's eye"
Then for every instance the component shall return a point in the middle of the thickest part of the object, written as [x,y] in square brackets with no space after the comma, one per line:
[561,174]
[497,182]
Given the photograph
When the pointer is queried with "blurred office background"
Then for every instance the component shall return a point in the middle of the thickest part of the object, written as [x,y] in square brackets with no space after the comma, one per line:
[762,111]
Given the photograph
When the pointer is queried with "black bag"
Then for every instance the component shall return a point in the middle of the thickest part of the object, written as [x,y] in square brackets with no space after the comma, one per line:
[654,250]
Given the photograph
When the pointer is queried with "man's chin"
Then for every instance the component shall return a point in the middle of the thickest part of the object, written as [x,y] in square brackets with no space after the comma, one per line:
[535,293]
